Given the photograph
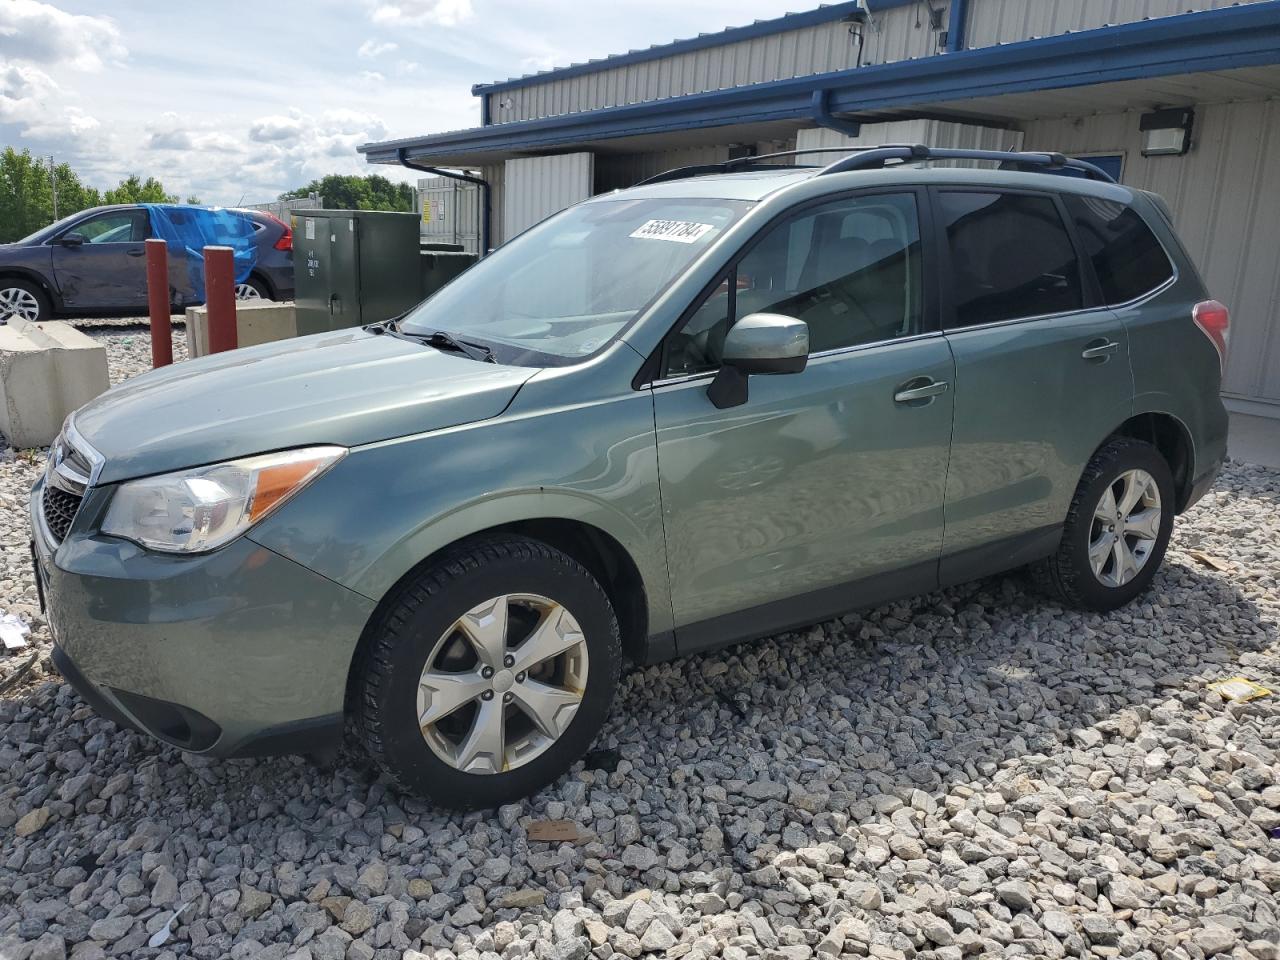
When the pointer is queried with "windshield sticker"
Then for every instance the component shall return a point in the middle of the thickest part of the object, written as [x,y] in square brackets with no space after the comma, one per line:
[677,231]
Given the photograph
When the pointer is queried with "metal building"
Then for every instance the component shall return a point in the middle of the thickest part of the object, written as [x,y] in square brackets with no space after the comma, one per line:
[1183,103]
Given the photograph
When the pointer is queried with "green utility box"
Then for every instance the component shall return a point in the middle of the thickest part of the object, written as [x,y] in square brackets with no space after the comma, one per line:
[441,262]
[353,267]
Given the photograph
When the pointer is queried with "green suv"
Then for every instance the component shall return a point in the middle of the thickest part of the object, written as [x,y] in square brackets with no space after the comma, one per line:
[722,404]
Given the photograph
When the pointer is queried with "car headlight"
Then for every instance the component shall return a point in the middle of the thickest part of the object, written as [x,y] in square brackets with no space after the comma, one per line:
[201,509]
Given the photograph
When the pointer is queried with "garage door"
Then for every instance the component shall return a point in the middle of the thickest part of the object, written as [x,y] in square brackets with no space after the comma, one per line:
[536,187]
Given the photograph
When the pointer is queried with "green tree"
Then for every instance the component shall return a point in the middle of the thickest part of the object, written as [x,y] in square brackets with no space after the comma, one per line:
[134,190]
[349,192]
[26,193]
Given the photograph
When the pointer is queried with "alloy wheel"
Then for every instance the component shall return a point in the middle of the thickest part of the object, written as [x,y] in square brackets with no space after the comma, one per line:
[15,300]
[502,684]
[1125,528]
[247,291]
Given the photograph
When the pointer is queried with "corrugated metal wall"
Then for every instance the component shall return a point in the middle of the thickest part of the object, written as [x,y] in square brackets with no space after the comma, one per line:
[450,212]
[936,133]
[537,187]
[1226,204]
[1007,21]
[894,34]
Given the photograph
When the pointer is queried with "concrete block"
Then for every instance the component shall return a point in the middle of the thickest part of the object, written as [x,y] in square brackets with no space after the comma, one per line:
[47,370]
[257,321]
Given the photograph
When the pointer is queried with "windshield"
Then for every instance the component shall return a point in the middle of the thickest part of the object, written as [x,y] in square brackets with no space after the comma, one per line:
[563,289]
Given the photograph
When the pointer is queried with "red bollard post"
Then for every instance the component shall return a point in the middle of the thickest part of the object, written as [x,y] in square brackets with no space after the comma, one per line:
[158,303]
[220,297]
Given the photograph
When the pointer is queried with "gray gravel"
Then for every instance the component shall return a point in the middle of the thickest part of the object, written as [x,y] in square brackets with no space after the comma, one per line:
[973,773]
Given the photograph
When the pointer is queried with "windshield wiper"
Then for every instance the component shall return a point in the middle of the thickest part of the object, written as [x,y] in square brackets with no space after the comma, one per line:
[440,339]
[444,340]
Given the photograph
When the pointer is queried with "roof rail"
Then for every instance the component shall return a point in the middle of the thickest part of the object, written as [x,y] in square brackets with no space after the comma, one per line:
[879,157]
[882,155]
[749,162]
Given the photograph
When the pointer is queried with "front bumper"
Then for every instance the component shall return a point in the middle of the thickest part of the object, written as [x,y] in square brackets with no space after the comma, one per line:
[233,653]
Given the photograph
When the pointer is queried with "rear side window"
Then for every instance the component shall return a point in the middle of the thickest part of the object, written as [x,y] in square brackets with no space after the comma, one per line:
[1011,257]
[1126,255]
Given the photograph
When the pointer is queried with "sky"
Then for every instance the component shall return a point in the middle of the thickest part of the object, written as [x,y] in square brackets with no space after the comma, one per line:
[236,102]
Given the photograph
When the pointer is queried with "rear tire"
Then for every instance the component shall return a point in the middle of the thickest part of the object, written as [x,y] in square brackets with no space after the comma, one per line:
[1112,548]
[25,299]
[501,603]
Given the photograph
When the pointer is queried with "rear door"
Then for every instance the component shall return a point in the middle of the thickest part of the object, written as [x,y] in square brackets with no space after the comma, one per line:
[108,270]
[1042,374]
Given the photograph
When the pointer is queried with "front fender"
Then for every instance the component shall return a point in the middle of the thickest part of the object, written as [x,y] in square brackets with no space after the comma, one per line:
[388,506]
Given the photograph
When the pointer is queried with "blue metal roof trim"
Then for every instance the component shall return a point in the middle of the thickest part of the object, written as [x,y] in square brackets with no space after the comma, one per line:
[1231,37]
[761,28]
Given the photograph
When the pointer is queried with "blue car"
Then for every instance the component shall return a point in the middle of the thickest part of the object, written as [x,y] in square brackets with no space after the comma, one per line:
[93,263]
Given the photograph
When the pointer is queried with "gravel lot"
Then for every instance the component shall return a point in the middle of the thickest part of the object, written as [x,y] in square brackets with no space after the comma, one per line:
[972,773]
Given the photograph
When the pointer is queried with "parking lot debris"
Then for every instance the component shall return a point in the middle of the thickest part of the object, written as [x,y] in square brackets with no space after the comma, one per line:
[14,632]
[1239,689]
[1208,560]
[553,831]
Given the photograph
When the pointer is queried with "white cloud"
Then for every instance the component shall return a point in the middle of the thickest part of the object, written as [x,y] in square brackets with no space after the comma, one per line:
[41,33]
[371,76]
[175,132]
[371,49]
[270,129]
[417,13]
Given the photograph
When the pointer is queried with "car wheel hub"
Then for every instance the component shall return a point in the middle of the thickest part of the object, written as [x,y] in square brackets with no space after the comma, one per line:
[502,684]
[245,291]
[1125,528]
[15,300]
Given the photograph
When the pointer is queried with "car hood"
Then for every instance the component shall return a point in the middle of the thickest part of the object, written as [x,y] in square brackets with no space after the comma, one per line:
[349,387]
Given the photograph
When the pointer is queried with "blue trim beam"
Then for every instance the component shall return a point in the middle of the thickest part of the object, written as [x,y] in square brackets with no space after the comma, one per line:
[1223,39]
[957,25]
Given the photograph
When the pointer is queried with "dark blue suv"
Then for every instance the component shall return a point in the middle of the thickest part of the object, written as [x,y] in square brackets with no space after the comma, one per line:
[93,262]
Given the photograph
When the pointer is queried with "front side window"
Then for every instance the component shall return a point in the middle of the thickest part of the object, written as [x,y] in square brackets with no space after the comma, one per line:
[561,290]
[121,226]
[850,269]
[1011,257]
[1126,255]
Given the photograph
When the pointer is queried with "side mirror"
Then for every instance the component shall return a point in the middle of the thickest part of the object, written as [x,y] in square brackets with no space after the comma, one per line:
[71,239]
[760,343]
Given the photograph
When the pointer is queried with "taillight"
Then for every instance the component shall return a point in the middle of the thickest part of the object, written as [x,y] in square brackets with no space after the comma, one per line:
[1214,320]
[285,240]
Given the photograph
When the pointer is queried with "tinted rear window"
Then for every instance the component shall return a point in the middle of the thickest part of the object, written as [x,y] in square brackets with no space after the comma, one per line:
[1126,255]
[1011,257]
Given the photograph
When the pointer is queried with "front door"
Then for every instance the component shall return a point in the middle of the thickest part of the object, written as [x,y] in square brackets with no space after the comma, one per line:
[108,269]
[1042,376]
[824,490]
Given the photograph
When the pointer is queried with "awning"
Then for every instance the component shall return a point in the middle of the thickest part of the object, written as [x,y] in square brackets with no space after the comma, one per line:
[1231,53]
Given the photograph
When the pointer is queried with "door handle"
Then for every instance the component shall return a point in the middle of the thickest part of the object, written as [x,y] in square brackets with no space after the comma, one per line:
[1099,348]
[923,391]
[136,253]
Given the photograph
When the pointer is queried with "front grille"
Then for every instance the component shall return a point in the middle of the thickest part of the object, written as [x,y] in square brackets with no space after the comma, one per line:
[59,508]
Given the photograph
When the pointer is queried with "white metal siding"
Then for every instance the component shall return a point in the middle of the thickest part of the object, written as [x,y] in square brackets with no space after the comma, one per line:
[1007,21]
[936,133]
[495,177]
[1226,207]
[537,187]
[894,34]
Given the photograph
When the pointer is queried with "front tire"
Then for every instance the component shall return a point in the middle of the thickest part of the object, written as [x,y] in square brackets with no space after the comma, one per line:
[489,674]
[1117,529]
[22,298]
